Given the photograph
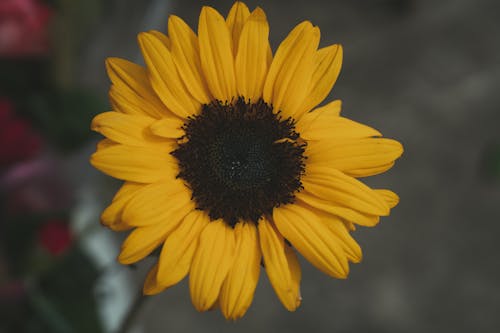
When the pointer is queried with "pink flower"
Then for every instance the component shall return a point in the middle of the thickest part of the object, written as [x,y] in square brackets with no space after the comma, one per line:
[36,186]
[24,27]
[55,237]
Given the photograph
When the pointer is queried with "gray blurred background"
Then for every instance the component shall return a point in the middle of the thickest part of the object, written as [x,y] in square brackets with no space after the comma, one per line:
[426,73]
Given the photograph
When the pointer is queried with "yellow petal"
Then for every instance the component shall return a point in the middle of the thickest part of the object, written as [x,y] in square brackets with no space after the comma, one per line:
[238,289]
[295,270]
[216,54]
[291,69]
[342,237]
[112,215]
[164,202]
[312,239]
[122,100]
[235,21]
[106,143]
[356,157]
[162,37]
[351,248]
[165,78]
[339,128]
[132,130]
[252,61]
[211,264]
[137,164]
[349,225]
[168,128]
[281,265]
[141,242]
[186,54]
[329,126]
[328,111]
[351,215]
[390,197]
[327,64]
[131,91]
[332,185]
[151,285]
[179,248]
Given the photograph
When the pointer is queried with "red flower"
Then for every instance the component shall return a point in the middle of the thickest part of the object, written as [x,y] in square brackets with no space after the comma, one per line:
[55,237]
[24,27]
[18,140]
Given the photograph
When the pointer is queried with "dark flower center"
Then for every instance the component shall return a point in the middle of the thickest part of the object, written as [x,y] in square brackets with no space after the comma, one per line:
[240,160]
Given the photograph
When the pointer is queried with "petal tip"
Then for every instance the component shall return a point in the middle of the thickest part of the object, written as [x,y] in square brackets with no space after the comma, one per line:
[208,10]
[123,259]
[92,160]
[239,6]
[258,14]
[144,37]
[174,20]
[401,148]
[109,61]
[305,24]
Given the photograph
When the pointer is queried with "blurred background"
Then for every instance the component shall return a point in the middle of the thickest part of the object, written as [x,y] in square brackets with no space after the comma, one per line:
[424,72]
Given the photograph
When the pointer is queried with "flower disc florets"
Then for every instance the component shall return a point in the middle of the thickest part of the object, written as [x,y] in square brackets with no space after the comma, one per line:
[240,160]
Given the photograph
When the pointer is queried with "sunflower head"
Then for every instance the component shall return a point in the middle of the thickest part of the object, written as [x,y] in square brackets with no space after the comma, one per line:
[240,160]
[229,164]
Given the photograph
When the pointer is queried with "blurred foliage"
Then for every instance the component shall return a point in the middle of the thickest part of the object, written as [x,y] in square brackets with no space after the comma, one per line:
[19,77]
[46,292]
[57,293]
[76,310]
[42,291]
[61,115]
[64,117]
[45,88]
[75,23]
[60,299]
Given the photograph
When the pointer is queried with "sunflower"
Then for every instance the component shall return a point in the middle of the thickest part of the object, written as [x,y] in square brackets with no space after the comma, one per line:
[229,164]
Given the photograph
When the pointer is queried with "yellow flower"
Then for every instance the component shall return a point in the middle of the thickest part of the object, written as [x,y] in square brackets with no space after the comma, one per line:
[229,164]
